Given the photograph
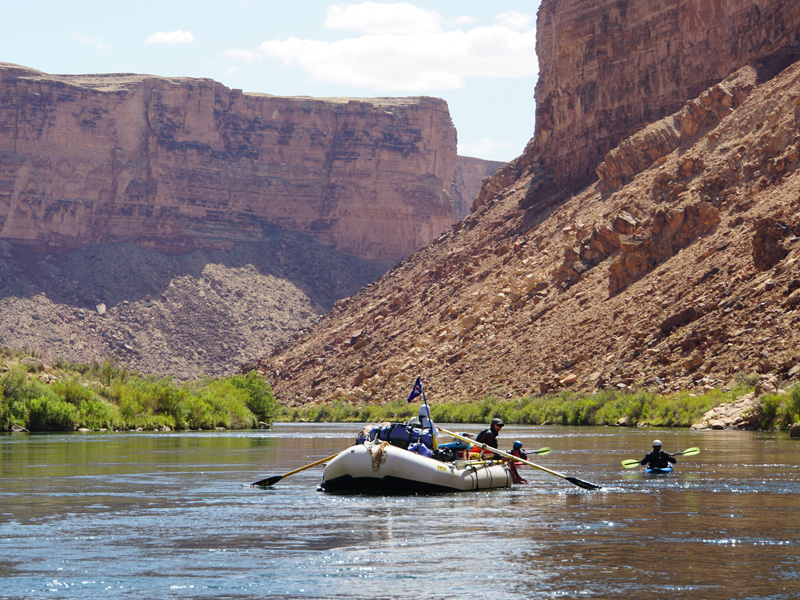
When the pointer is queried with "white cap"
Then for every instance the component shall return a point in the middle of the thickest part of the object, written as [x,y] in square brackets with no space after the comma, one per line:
[656,442]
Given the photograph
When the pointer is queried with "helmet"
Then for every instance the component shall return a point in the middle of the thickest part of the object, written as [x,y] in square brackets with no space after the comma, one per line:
[517,445]
[498,422]
[656,443]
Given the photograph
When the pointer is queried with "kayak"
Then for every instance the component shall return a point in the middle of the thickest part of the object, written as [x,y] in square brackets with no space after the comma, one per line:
[376,467]
[659,470]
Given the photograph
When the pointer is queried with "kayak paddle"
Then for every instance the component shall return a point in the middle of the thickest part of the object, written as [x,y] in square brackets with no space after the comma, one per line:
[574,480]
[632,462]
[276,478]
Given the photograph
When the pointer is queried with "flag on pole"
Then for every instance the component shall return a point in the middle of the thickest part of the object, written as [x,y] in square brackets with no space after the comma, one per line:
[417,389]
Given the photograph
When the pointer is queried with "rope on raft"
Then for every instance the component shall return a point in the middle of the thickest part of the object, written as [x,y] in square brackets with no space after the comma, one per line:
[379,456]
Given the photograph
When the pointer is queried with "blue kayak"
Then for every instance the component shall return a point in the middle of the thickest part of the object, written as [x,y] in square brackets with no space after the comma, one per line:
[659,470]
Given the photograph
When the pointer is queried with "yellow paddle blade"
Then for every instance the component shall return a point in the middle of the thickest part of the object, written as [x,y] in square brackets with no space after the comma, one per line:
[630,463]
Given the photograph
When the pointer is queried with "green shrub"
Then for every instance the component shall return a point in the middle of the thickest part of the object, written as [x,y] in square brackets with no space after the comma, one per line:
[97,414]
[770,406]
[260,399]
[48,413]
[73,390]
[199,413]
[12,412]
[14,384]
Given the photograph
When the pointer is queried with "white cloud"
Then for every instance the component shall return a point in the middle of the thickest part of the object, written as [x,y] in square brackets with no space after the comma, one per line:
[247,56]
[170,38]
[375,18]
[405,49]
[516,21]
[86,40]
[482,147]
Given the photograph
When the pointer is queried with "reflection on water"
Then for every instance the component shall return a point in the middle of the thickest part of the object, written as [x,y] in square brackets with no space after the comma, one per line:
[155,515]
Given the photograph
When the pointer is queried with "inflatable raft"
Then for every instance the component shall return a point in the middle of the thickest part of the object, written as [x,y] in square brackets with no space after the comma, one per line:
[380,467]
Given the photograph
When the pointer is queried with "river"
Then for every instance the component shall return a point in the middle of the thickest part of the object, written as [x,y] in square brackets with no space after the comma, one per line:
[170,515]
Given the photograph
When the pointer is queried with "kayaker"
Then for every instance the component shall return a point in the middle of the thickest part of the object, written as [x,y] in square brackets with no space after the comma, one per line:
[519,452]
[489,437]
[657,458]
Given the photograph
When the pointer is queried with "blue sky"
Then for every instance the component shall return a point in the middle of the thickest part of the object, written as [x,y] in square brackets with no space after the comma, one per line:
[477,55]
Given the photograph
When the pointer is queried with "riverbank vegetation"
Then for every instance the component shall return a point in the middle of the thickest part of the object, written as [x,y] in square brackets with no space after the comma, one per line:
[105,396]
[634,408]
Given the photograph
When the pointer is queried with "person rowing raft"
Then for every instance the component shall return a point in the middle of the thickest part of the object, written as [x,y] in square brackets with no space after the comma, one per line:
[489,437]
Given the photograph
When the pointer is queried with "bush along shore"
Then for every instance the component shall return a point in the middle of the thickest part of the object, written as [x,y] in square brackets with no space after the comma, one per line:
[106,396]
[68,397]
[772,411]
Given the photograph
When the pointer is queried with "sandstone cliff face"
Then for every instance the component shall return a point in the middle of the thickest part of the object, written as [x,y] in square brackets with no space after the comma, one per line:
[470,175]
[180,164]
[679,268]
[609,67]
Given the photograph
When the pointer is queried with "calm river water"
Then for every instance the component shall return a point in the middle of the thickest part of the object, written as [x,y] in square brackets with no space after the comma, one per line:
[169,515]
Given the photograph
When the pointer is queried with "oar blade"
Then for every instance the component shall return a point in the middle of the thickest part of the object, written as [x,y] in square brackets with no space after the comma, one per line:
[268,481]
[691,451]
[630,463]
[541,451]
[584,484]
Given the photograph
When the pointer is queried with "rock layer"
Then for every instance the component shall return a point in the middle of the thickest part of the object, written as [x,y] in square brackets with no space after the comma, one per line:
[180,164]
[608,68]
[679,269]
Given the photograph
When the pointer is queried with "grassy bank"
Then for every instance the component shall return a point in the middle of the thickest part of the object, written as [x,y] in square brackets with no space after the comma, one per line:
[603,408]
[66,397]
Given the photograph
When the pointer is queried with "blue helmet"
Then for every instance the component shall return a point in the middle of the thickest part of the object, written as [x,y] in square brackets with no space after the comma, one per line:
[517,445]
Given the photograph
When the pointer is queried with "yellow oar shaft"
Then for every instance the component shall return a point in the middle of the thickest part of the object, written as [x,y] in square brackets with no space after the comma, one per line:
[501,453]
[313,464]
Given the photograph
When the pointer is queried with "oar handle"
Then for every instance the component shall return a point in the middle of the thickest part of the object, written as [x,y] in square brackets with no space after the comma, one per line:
[277,478]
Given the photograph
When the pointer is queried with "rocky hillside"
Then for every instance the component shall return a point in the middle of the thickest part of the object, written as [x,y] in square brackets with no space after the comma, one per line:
[662,251]
[204,312]
[185,228]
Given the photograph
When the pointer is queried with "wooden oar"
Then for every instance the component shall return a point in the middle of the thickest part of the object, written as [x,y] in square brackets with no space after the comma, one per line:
[574,480]
[276,478]
[632,463]
[543,451]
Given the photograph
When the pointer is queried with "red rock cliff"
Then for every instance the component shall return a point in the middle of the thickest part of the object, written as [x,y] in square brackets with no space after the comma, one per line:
[178,164]
[609,67]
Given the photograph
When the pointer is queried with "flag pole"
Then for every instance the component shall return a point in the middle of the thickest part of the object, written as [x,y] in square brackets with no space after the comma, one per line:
[416,391]
[433,425]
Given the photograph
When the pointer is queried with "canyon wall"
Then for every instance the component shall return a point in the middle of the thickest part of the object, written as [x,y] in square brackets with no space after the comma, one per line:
[470,175]
[648,238]
[609,67]
[176,164]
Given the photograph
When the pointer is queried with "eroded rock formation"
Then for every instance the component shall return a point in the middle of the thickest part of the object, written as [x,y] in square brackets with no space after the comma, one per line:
[180,164]
[610,67]
[678,269]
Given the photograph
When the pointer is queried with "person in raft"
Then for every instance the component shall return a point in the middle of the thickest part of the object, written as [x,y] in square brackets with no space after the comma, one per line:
[657,458]
[489,437]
